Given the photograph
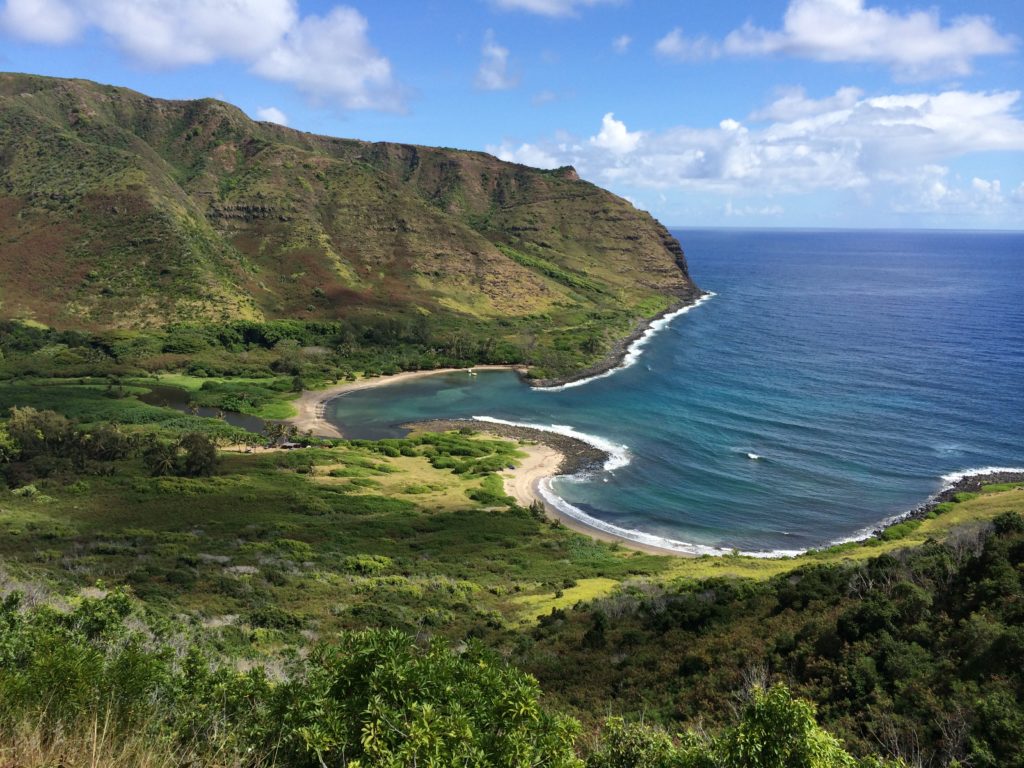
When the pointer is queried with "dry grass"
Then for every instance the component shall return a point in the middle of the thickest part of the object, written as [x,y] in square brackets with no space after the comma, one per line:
[99,743]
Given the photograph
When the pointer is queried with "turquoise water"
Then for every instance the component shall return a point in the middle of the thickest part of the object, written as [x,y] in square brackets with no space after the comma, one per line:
[861,367]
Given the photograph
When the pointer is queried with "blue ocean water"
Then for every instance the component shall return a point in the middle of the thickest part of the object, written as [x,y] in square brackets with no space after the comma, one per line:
[860,367]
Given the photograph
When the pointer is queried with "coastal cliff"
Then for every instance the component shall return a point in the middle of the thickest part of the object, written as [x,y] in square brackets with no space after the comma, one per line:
[121,211]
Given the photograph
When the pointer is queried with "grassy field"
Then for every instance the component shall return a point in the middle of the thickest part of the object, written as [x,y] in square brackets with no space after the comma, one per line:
[279,546]
[968,511]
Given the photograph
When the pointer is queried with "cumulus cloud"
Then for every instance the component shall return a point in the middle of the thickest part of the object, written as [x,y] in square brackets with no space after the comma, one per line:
[329,57]
[934,189]
[675,45]
[621,43]
[40,21]
[553,8]
[793,103]
[525,154]
[916,44]
[899,145]
[493,74]
[191,31]
[614,136]
[272,115]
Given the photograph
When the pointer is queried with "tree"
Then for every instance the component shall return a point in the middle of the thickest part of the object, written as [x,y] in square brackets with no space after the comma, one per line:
[275,432]
[107,442]
[377,698]
[200,459]
[635,745]
[41,432]
[161,458]
[8,448]
[778,731]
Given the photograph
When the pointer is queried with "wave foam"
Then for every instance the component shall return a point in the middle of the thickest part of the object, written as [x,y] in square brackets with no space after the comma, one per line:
[634,350]
[618,454]
[674,545]
[948,481]
[955,477]
[642,537]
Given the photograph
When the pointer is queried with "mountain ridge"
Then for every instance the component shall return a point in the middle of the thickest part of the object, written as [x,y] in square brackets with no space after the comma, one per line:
[132,212]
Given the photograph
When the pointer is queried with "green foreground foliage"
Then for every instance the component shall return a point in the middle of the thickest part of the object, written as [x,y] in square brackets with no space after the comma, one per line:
[914,652]
[262,579]
[375,699]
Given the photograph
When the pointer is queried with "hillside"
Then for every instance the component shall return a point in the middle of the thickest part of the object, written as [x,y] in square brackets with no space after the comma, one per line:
[120,211]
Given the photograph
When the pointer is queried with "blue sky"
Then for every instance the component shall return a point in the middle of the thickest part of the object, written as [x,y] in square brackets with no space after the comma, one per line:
[807,113]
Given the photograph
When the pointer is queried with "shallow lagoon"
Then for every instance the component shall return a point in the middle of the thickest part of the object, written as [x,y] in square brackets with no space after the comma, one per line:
[860,366]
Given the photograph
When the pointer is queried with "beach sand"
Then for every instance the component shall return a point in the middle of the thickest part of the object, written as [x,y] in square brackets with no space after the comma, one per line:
[548,454]
[311,404]
[542,462]
[521,483]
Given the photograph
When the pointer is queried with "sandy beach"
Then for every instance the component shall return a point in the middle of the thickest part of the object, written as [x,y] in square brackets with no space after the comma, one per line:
[548,454]
[541,461]
[311,404]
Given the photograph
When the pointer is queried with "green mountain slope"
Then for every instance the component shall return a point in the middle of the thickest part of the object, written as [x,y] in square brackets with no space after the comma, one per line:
[122,211]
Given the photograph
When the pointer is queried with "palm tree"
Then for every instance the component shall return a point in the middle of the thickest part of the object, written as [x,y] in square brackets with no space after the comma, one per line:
[161,458]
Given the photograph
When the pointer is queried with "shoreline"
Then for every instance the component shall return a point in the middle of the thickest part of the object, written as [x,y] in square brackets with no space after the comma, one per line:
[564,456]
[575,456]
[621,349]
[311,405]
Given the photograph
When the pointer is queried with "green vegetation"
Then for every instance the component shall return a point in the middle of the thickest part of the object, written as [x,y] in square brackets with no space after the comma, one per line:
[175,590]
[105,683]
[215,232]
[257,561]
[905,652]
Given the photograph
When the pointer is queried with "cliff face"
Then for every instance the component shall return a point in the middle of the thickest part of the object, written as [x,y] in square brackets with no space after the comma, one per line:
[119,210]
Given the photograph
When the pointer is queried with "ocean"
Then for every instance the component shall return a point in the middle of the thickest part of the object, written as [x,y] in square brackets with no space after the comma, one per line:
[832,382]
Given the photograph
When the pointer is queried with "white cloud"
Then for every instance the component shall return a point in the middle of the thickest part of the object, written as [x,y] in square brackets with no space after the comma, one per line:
[614,137]
[932,189]
[732,210]
[915,44]
[890,146]
[493,74]
[675,45]
[272,115]
[165,34]
[793,103]
[621,43]
[544,97]
[525,154]
[40,21]
[329,57]
[552,8]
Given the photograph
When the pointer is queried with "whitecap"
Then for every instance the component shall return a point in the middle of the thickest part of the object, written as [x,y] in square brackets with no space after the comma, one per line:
[634,350]
[948,481]
[618,454]
[953,478]
[642,537]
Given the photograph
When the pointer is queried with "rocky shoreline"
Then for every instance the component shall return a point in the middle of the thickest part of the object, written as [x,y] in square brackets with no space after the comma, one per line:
[966,484]
[618,352]
[577,456]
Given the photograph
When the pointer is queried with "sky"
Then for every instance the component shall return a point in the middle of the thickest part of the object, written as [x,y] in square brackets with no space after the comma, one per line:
[766,113]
